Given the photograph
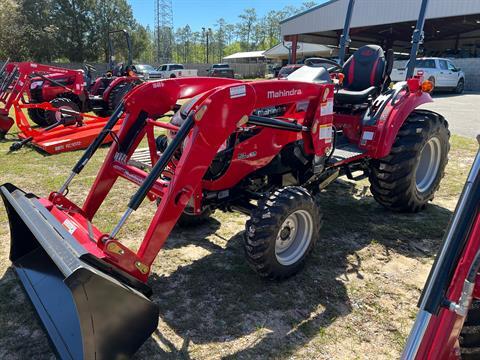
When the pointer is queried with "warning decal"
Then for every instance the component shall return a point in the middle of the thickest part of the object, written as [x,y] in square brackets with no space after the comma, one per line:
[70,226]
[325,133]
[238,91]
[326,108]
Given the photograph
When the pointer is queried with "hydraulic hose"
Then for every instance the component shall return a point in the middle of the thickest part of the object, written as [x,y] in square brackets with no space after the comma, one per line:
[93,147]
[159,167]
[472,273]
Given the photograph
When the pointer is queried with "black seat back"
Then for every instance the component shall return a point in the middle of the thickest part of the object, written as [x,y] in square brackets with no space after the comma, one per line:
[365,68]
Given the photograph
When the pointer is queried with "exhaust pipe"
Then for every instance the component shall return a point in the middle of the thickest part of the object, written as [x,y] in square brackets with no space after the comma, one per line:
[88,313]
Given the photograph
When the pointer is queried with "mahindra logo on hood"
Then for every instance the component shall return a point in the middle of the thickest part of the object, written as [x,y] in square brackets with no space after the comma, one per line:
[282,93]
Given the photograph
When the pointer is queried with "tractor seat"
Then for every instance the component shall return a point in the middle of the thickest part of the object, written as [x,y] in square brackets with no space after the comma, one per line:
[355,97]
[364,75]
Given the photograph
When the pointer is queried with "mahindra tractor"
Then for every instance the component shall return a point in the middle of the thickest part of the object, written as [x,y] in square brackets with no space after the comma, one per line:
[71,130]
[265,149]
[100,95]
[59,100]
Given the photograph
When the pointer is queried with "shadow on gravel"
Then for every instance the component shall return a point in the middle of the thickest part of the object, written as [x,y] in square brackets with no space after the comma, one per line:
[219,300]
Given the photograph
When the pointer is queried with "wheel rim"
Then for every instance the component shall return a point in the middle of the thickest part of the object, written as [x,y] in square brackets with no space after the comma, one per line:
[294,237]
[58,113]
[428,165]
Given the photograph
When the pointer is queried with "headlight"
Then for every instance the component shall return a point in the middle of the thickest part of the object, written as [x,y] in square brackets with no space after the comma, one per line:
[146,75]
[36,84]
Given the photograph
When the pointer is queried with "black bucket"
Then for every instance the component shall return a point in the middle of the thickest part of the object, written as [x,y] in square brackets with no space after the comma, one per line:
[87,313]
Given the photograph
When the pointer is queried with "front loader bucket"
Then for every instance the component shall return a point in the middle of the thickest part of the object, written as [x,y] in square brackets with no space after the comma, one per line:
[87,313]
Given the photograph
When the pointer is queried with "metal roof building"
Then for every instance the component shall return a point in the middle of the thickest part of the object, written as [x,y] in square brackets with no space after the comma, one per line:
[452,28]
[246,57]
[452,24]
[282,50]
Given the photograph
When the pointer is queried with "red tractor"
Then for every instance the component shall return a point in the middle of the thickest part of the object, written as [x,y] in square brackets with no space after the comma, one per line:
[17,79]
[70,131]
[264,148]
[84,95]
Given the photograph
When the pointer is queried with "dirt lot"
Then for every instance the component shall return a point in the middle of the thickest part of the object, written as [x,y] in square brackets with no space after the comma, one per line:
[355,299]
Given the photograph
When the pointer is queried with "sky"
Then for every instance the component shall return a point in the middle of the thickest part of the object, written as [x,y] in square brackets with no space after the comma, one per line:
[205,13]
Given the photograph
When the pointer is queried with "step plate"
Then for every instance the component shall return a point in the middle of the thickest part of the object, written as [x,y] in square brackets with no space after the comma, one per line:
[141,159]
[345,152]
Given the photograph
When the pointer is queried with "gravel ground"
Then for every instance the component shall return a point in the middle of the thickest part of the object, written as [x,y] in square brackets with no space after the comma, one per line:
[461,111]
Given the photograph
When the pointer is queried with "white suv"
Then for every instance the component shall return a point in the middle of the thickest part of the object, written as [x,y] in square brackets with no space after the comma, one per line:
[440,71]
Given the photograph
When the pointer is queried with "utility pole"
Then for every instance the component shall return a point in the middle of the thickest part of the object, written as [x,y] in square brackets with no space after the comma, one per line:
[206,33]
[163,30]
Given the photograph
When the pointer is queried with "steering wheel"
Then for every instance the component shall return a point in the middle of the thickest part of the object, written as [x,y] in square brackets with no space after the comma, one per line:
[89,67]
[316,62]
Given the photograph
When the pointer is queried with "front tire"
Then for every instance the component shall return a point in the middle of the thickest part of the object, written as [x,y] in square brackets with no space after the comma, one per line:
[117,94]
[38,117]
[460,87]
[407,179]
[281,232]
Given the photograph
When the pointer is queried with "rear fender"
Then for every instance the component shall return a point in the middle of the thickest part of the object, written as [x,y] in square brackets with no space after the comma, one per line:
[388,129]
[115,82]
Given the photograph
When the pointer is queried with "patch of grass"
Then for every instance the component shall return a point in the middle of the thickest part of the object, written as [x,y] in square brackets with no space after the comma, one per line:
[357,290]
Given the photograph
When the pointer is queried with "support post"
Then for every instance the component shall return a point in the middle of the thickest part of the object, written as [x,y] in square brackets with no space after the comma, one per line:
[294,49]
[345,37]
[417,39]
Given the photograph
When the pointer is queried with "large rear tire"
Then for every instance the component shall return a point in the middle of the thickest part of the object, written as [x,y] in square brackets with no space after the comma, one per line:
[117,94]
[60,103]
[281,232]
[407,179]
[38,117]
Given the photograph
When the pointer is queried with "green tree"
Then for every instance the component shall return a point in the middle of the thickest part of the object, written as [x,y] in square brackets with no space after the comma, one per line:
[111,15]
[143,49]
[12,31]
[220,37]
[41,30]
[246,27]
[74,18]
[307,5]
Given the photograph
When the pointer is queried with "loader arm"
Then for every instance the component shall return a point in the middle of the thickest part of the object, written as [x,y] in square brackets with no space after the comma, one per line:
[16,82]
[206,137]
[220,107]
[55,240]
